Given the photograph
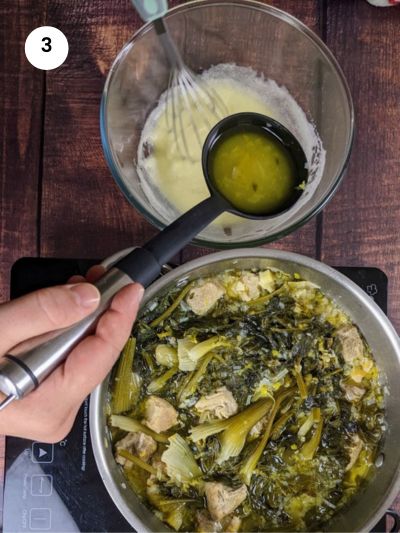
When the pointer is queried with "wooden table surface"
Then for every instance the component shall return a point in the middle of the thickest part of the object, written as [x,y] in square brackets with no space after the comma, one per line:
[58,198]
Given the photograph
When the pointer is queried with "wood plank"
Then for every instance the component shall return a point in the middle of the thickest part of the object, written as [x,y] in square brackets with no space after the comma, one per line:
[83,212]
[361,225]
[304,240]
[20,136]
[21,88]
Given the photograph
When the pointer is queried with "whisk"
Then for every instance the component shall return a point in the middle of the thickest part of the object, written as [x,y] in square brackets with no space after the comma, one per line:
[188,97]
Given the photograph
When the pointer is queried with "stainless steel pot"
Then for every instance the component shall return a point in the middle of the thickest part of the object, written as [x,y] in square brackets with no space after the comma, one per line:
[368,507]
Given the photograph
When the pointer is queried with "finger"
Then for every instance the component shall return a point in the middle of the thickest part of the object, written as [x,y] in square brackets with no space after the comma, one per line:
[45,310]
[76,279]
[94,273]
[91,361]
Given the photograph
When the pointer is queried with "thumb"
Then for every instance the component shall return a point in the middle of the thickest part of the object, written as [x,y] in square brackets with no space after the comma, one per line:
[45,310]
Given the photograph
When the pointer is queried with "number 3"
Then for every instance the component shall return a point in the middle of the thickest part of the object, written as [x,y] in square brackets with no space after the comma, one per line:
[47,46]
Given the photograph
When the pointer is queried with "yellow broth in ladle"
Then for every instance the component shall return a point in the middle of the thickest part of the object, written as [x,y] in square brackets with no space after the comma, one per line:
[253,171]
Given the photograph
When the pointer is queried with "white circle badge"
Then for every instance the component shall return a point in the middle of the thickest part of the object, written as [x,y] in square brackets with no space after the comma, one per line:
[46,48]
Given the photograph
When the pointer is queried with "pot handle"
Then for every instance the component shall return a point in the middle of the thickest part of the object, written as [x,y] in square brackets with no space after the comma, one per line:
[396,520]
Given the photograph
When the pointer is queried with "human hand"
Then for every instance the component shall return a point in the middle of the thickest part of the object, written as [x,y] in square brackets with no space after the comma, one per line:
[47,413]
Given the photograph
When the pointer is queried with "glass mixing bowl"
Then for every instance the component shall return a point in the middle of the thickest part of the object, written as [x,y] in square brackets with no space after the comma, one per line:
[251,34]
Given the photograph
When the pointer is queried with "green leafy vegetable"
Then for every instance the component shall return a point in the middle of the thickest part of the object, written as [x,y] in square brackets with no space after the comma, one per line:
[168,312]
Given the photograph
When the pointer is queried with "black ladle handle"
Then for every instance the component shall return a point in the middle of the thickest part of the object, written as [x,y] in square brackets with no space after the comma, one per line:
[23,372]
[143,265]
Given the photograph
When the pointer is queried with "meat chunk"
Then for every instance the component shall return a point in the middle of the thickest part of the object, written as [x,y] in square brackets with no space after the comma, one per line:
[219,404]
[351,343]
[222,500]
[247,287]
[202,299]
[205,524]
[160,414]
[137,443]
[353,393]
[354,451]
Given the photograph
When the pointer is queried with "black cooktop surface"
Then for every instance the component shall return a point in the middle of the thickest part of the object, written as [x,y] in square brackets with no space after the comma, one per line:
[56,487]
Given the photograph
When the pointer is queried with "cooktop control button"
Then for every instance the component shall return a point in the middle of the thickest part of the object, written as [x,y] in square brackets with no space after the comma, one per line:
[40,519]
[41,485]
[42,452]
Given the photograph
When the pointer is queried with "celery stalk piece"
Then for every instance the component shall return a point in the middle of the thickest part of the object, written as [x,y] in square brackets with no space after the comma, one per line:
[203,431]
[189,387]
[279,426]
[264,299]
[190,352]
[300,381]
[158,383]
[306,426]
[234,437]
[137,461]
[125,390]
[309,449]
[130,424]
[250,464]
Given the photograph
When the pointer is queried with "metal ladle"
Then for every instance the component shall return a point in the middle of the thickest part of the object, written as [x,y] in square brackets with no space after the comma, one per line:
[22,373]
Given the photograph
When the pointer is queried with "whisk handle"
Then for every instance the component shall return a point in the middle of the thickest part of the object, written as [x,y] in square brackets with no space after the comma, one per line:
[150,10]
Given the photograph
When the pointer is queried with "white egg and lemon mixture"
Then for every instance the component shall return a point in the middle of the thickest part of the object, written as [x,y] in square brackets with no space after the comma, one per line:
[174,183]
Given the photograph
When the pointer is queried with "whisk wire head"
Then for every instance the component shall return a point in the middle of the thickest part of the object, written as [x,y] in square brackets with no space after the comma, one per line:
[190,103]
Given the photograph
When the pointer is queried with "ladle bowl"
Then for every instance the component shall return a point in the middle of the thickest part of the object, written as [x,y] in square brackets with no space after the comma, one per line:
[255,122]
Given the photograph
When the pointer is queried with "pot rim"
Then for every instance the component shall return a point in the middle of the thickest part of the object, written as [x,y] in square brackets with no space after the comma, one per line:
[179,273]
